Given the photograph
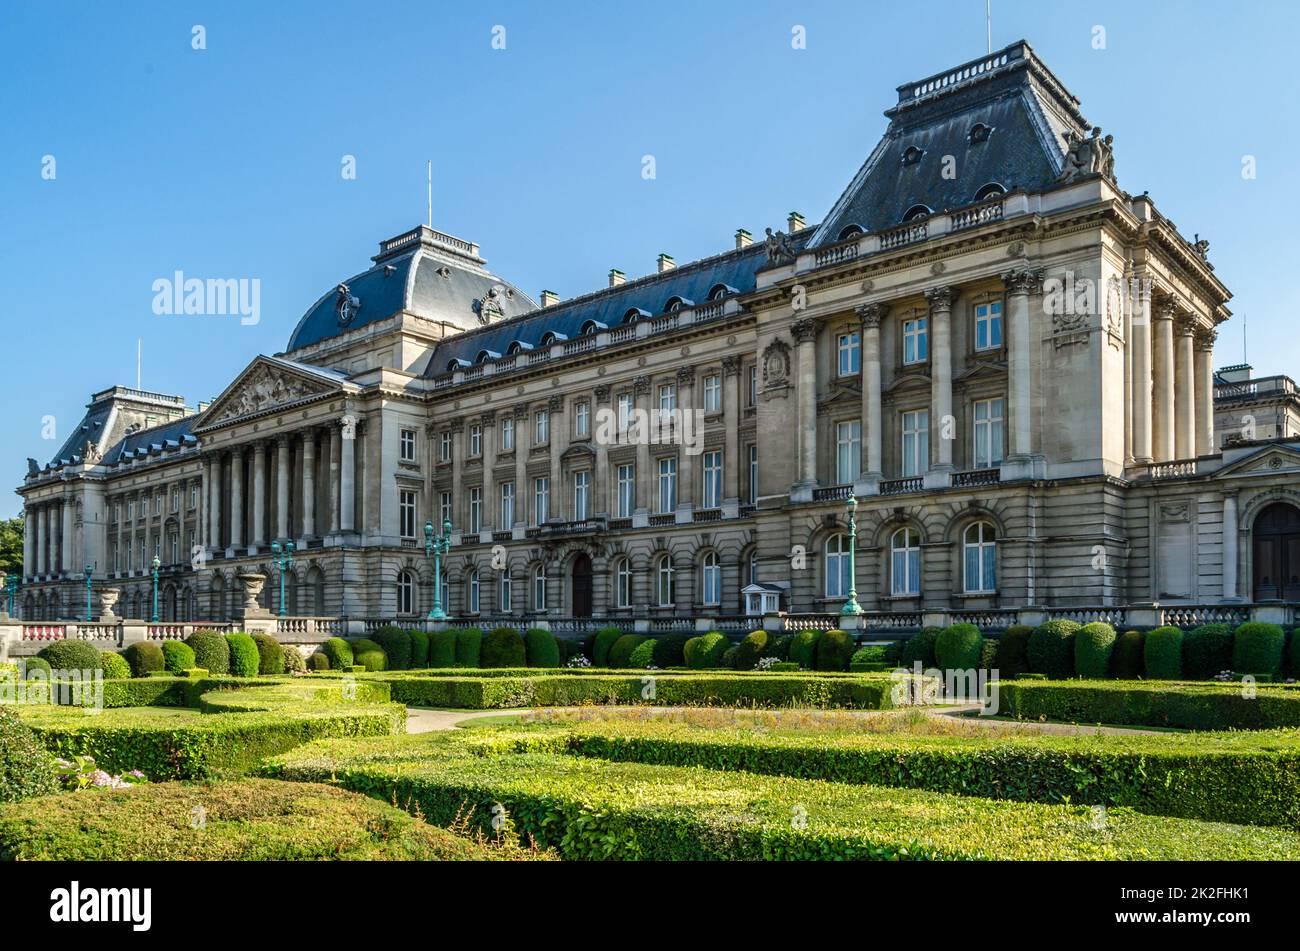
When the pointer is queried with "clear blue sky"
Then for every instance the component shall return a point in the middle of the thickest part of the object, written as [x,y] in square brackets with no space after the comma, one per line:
[226,162]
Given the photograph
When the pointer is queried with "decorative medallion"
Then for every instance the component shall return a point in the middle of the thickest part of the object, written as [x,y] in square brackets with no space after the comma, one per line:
[346,305]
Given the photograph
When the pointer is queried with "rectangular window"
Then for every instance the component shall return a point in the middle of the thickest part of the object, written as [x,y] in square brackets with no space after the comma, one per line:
[116,559]
[475,510]
[476,440]
[753,475]
[444,446]
[539,589]
[667,398]
[753,385]
[117,511]
[581,495]
[988,433]
[444,509]
[406,512]
[174,548]
[915,345]
[624,414]
[582,420]
[193,540]
[713,393]
[130,510]
[406,445]
[988,326]
[507,434]
[505,594]
[507,505]
[194,497]
[850,354]
[711,498]
[848,451]
[916,442]
[626,490]
[542,427]
[667,485]
[541,500]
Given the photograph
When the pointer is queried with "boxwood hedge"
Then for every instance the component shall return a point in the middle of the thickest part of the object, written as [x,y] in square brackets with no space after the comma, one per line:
[1051,649]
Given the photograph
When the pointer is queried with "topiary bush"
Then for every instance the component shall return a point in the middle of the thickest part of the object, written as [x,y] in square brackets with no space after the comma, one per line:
[442,649]
[920,647]
[780,647]
[1207,650]
[1093,645]
[729,657]
[270,655]
[35,663]
[670,650]
[803,648]
[834,651]
[318,661]
[1013,651]
[1293,653]
[144,657]
[177,657]
[751,647]
[1162,654]
[1257,649]
[957,647]
[114,666]
[503,647]
[644,655]
[369,654]
[396,643]
[244,658]
[541,648]
[339,652]
[419,649]
[604,640]
[469,645]
[1128,660]
[293,662]
[705,651]
[620,653]
[71,655]
[1051,649]
[871,657]
[26,769]
[211,652]
[988,654]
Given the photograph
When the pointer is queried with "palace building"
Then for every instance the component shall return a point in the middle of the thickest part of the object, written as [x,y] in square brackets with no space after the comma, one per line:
[999,352]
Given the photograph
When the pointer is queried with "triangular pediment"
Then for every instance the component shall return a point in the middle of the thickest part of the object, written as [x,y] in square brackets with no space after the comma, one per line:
[982,369]
[268,384]
[1266,460]
[914,380]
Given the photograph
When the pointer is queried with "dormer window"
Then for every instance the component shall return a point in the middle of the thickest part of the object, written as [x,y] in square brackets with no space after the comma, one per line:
[978,133]
[552,337]
[991,190]
[517,347]
[677,303]
[591,327]
[634,314]
[721,291]
[852,231]
[912,155]
[485,355]
[917,212]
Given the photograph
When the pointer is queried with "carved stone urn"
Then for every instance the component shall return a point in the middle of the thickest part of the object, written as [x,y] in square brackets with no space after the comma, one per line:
[253,582]
[107,601]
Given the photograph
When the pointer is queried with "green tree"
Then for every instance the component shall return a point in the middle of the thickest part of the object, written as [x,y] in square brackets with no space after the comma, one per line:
[11,545]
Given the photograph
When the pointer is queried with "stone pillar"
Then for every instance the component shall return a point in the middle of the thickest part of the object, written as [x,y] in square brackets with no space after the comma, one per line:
[804,332]
[1140,361]
[46,544]
[236,498]
[309,484]
[940,299]
[731,461]
[1163,374]
[211,489]
[523,491]
[336,451]
[29,541]
[347,473]
[458,450]
[872,315]
[1184,388]
[558,436]
[67,522]
[641,396]
[1020,284]
[282,476]
[1204,367]
[491,503]
[1230,537]
[688,460]
[599,437]
[38,528]
[257,531]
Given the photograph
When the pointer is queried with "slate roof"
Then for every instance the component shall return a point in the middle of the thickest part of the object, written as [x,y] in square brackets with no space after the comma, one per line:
[155,439]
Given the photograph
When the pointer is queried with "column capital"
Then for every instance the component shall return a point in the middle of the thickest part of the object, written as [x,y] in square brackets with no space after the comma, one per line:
[521,411]
[871,314]
[641,385]
[1022,280]
[456,424]
[555,403]
[1185,324]
[601,392]
[941,298]
[804,330]
[1205,338]
[686,376]
[488,420]
[731,365]
[1166,308]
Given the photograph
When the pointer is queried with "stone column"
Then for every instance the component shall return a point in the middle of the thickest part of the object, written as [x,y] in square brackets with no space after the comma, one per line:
[40,526]
[458,449]
[523,491]
[336,451]
[282,477]
[1020,284]
[257,531]
[1204,367]
[47,533]
[1230,546]
[209,500]
[641,401]
[1140,364]
[940,299]
[688,461]
[599,436]
[731,461]
[347,473]
[804,332]
[29,541]
[1163,373]
[68,512]
[558,432]
[237,498]
[491,506]
[1184,388]
[872,315]
[309,484]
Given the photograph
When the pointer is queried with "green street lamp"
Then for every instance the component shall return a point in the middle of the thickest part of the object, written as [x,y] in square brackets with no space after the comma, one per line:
[89,571]
[282,559]
[156,565]
[435,548]
[851,606]
[10,584]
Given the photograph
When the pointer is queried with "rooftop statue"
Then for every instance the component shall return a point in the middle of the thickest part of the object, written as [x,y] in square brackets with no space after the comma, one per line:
[779,247]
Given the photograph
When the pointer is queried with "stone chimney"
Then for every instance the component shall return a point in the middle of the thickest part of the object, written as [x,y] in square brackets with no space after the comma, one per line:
[550,298]
[666,263]
[616,277]
[795,222]
[743,238]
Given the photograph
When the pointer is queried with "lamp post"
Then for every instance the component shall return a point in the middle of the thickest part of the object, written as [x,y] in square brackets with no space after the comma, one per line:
[435,548]
[283,559]
[156,565]
[89,570]
[851,606]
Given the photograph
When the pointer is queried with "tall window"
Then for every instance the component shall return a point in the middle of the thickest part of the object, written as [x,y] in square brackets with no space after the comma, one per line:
[979,557]
[626,490]
[507,434]
[713,393]
[581,494]
[710,579]
[504,593]
[194,497]
[753,385]
[667,399]
[539,588]
[988,433]
[623,583]
[176,500]
[406,512]
[667,485]
[174,547]
[988,326]
[406,445]
[916,442]
[473,589]
[838,582]
[476,440]
[541,499]
[665,584]
[405,593]
[444,509]
[712,495]
[444,446]
[624,414]
[751,569]
[848,451]
[582,420]
[849,349]
[542,427]
[475,510]
[507,505]
[753,475]
[915,342]
[905,562]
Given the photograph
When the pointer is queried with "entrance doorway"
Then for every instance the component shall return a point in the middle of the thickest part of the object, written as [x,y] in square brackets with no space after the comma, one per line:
[582,586]
[1275,558]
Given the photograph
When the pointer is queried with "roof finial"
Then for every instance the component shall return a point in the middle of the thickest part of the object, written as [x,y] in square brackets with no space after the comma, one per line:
[988,22]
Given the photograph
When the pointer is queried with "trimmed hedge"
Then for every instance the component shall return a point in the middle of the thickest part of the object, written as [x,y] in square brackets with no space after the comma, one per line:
[871,657]
[144,657]
[71,655]
[270,655]
[469,645]
[1051,649]
[1013,651]
[177,657]
[1257,649]
[751,647]
[396,645]
[1093,645]
[244,658]
[1162,653]
[318,661]
[26,769]
[834,651]
[503,647]
[803,648]
[644,655]
[442,649]
[541,648]
[620,652]
[293,662]
[958,647]
[1293,653]
[1207,651]
[600,646]
[1128,660]
[419,649]
[919,647]
[369,654]
[705,651]
[670,650]
[35,663]
[211,651]
[114,666]
[339,653]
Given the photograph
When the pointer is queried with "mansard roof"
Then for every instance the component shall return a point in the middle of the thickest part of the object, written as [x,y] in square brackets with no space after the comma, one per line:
[154,440]
[1002,119]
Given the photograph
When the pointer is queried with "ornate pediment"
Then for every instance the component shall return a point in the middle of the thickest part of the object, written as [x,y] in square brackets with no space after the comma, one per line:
[1266,462]
[264,387]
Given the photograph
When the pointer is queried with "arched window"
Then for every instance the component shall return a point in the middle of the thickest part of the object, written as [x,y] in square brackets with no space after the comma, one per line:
[711,579]
[539,588]
[551,337]
[721,291]
[677,303]
[473,591]
[991,190]
[405,593]
[591,327]
[852,231]
[633,314]
[916,212]
[979,132]
[838,581]
[623,583]
[905,562]
[665,585]
[979,558]
[485,355]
